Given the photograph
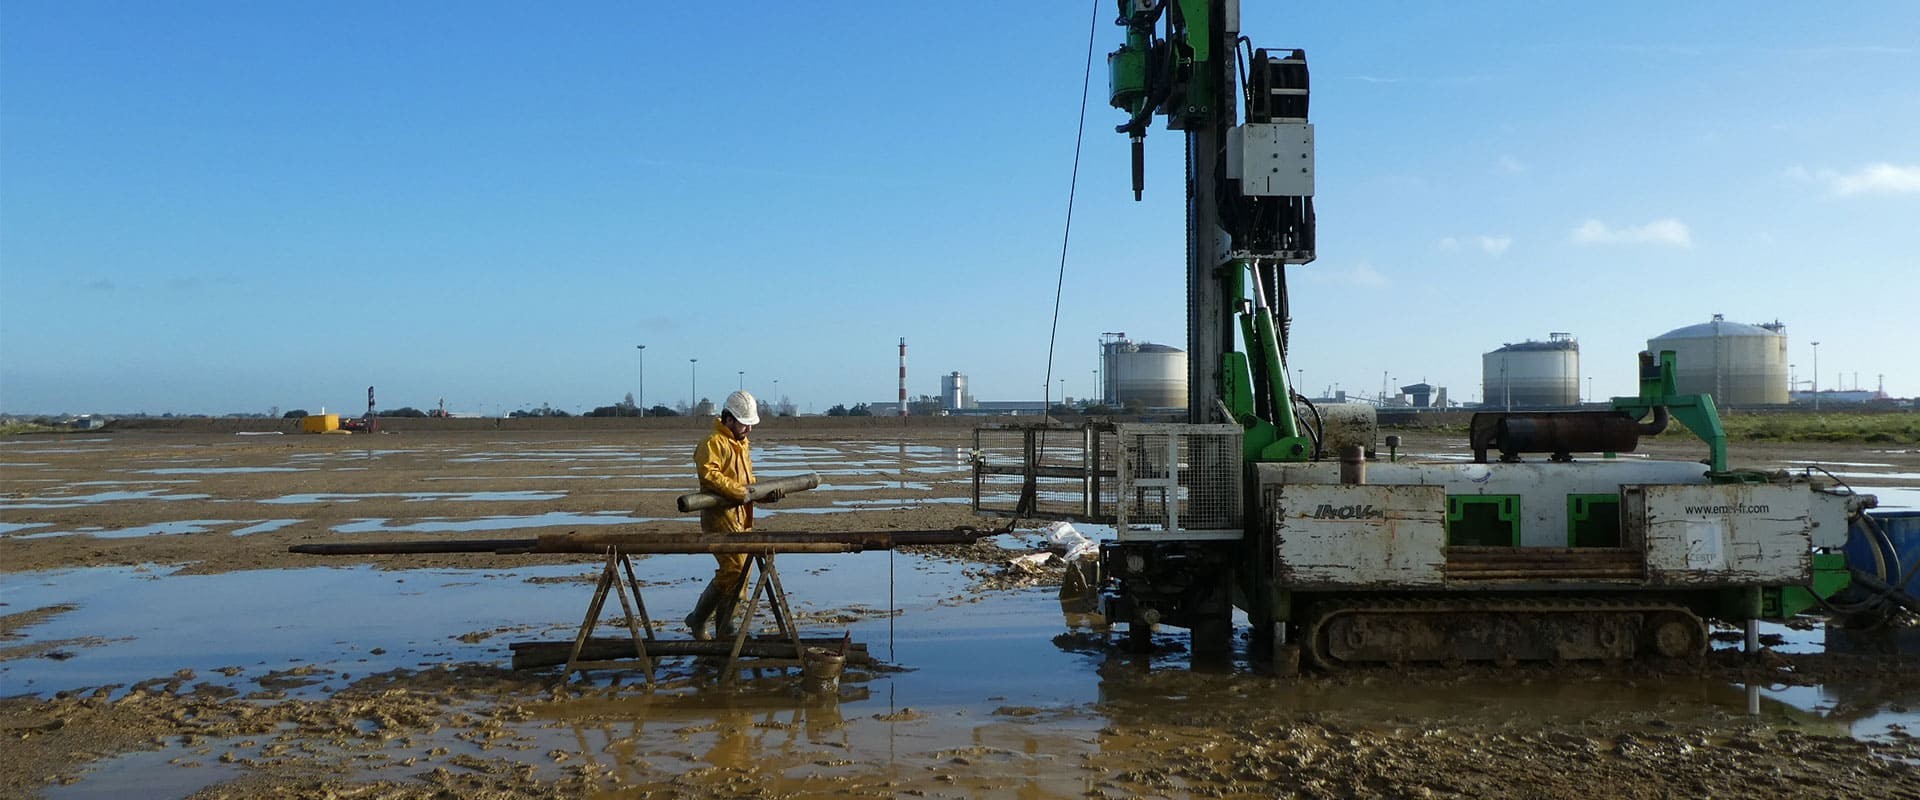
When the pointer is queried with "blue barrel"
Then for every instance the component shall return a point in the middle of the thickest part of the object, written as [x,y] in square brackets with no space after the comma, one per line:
[1902,529]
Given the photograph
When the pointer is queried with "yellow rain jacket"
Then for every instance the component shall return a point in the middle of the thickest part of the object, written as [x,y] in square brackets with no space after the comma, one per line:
[726,469]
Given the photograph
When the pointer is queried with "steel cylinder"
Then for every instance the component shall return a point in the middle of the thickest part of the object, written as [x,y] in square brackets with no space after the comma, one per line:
[1353,464]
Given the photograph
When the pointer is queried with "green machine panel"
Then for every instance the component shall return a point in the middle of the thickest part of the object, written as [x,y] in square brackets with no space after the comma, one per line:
[1483,520]
[1593,520]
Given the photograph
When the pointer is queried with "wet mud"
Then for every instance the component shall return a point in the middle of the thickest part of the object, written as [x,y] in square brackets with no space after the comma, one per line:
[157,640]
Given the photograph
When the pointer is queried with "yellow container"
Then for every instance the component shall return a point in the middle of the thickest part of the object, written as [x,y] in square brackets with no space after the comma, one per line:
[320,423]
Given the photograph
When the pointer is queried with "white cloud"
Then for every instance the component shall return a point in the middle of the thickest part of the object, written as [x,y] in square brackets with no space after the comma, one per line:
[1491,245]
[1510,165]
[1363,274]
[1670,232]
[1880,178]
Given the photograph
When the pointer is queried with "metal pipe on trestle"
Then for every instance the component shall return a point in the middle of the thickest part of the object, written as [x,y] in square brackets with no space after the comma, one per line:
[657,543]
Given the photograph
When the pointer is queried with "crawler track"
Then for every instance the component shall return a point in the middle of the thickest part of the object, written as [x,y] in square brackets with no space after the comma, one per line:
[1357,631]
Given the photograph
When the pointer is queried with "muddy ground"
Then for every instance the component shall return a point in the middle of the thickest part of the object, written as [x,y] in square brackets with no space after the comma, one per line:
[156,639]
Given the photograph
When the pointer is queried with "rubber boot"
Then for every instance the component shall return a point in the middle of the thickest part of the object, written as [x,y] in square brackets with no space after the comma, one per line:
[723,627]
[703,610]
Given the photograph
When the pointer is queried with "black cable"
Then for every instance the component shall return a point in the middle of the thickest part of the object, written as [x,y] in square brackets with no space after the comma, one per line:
[1066,236]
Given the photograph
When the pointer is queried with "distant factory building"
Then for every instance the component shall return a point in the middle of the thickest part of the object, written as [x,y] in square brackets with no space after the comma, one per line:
[1155,375]
[1425,395]
[1740,365]
[1532,374]
[954,393]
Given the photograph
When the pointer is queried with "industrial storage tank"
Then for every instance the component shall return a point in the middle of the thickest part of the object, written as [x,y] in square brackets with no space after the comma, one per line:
[1740,365]
[1153,374]
[954,395]
[1532,374]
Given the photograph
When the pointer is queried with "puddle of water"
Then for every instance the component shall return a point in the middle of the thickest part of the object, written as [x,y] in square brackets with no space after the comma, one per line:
[458,497]
[218,470]
[10,527]
[333,617]
[147,773]
[970,653]
[152,529]
[1886,476]
[126,483]
[912,486]
[1893,496]
[1834,463]
[528,477]
[451,525]
[76,501]
[265,526]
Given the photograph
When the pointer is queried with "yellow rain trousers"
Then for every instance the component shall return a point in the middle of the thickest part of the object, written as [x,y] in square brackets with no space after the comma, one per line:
[726,469]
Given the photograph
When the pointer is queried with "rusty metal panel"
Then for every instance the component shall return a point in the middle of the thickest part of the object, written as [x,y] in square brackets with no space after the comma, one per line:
[1366,536]
[1726,534]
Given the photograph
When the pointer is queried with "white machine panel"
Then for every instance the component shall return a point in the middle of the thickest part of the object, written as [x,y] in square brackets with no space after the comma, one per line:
[1347,536]
[1725,533]
[1272,159]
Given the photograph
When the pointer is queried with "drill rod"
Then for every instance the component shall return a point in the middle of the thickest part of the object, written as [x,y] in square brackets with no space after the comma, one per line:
[658,543]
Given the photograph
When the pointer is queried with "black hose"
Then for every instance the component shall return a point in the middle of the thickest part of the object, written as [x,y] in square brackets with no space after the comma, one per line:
[1318,432]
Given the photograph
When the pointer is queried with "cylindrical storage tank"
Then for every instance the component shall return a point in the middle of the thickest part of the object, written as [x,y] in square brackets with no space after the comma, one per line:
[1153,374]
[1532,374]
[1739,364]
[953,392]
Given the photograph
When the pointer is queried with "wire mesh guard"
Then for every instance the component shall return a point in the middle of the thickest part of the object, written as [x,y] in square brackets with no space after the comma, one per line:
[1072,467]
[1178,481]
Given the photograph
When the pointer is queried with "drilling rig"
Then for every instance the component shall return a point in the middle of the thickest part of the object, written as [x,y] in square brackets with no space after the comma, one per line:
[1543,547]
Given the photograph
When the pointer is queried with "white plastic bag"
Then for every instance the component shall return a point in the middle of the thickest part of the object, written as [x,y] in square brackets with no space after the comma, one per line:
[1063,538]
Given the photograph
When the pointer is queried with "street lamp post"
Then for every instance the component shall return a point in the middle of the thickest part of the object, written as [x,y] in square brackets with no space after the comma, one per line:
[693,386]
[640,399]
[776,397]
[1816,376]
[743,379]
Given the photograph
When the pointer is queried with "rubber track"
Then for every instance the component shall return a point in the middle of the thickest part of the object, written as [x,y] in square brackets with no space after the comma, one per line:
[1325,611]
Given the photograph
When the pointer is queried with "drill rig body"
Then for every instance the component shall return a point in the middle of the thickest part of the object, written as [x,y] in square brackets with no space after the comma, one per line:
[1246,505]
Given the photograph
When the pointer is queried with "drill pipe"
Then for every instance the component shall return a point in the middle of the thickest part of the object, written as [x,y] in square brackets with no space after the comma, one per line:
[658,543]
[699,501]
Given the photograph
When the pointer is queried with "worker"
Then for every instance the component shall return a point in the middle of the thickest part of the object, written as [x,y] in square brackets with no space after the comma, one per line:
[725,467]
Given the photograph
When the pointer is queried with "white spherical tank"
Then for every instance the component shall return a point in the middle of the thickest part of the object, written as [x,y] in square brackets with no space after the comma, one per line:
[1739,364]
[1153,374]
[1532,374]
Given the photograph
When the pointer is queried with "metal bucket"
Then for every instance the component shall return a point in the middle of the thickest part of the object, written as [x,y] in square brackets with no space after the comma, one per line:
[820,670]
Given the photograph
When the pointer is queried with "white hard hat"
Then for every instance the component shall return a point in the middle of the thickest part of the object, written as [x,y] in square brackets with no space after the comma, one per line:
[743,407]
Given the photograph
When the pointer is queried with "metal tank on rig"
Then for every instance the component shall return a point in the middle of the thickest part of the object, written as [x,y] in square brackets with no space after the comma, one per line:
[1740,365]
[1532,374]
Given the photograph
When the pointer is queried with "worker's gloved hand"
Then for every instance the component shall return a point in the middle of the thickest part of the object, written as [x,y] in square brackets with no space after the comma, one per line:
[773,496]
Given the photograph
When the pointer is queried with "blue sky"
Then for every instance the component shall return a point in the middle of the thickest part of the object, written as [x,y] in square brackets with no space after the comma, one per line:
[220,207]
